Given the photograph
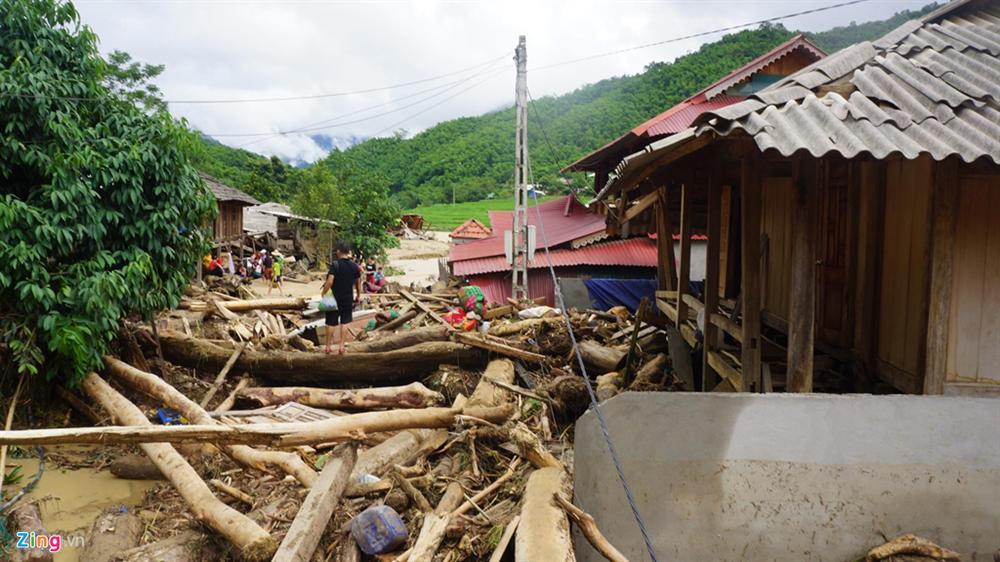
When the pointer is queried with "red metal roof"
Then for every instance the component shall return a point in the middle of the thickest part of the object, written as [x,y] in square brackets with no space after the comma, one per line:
[565,219]
[471,229]
[634,252]
[680,116]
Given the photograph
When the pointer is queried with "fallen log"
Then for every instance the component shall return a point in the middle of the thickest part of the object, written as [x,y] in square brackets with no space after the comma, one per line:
[253,542]
[309,524]
[500,370]
[399,450]
[110,534]
[525,326]
[188,546]
[28,519]
[530,447]
[543,533]
[278,303]
[651,374]
[413,395]
[590,530]
[435,525]
[608,385]
[600,359]
[497,347]
[401,365]
[405,316]
[400,340]
[156,387]
[343,428]
[135,467]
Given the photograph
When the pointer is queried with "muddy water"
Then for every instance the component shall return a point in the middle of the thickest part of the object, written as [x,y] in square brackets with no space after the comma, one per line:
[80,495]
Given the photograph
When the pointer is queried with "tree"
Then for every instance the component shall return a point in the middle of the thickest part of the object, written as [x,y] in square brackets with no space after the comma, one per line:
[361,205]
[100,212]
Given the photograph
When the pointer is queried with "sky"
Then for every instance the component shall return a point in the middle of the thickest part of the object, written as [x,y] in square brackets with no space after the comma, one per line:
[448,58]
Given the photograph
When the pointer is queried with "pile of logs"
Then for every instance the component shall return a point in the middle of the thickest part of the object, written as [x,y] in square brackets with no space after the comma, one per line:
[476,473]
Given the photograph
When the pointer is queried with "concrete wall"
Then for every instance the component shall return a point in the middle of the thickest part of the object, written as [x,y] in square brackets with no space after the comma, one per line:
[727,477]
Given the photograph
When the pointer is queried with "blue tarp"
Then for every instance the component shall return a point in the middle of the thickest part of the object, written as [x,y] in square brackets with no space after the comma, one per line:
[606,293]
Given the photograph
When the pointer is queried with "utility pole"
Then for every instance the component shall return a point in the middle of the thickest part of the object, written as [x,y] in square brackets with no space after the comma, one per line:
[519,236]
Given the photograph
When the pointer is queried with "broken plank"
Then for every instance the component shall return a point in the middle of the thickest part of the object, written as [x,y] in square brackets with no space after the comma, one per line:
[221,377]
[310,523]
[497,347]
[423,306]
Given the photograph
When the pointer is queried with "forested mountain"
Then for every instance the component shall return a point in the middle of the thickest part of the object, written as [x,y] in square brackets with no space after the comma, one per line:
[471,157]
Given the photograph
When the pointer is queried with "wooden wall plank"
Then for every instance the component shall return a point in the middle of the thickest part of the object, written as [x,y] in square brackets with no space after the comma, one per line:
[942,261]
[919,179]
[989,333]
[802,289]
[709,378]
[750,195]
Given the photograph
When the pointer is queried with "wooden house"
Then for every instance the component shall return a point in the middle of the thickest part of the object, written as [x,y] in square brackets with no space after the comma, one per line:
[851,211]
[228,225]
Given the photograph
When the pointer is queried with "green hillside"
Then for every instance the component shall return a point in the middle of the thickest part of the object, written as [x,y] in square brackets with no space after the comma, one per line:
[471,157]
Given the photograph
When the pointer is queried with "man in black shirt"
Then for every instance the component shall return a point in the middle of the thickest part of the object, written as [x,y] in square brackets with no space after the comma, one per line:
[344,279]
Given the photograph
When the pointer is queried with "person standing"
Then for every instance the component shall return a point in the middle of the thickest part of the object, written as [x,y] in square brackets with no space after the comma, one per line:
[344,280]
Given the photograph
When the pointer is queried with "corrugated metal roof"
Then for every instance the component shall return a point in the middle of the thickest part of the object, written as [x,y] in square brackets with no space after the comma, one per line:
[634,252]
[565,219]
[928,87]
[223,192]
[682,115]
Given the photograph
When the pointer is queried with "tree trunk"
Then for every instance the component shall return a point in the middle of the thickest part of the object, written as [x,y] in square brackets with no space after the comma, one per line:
[28,519]
[277,303]
[524,326]
[253,542]
[489,395]
[135,467]
[600,359]
[112,533]
[651,374]
[188,546]
[588,526]
[156,387]
[435,525]
[400,449]
[400,340]
[399,365]
[413,395]
[543,533]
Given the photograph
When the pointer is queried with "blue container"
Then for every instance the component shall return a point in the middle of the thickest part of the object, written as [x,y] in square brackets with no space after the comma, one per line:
[378,529]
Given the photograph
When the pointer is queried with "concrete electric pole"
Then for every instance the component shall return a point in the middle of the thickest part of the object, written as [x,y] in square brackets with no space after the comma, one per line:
[519,236]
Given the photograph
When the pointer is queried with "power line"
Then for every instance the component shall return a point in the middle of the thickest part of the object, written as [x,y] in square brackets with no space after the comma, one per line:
[326,123]
[699,34]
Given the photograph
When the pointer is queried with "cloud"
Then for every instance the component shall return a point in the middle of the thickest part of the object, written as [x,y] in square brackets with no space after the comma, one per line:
[222,49]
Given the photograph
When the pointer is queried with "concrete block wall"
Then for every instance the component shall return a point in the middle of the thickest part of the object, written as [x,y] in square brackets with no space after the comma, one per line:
[743,477]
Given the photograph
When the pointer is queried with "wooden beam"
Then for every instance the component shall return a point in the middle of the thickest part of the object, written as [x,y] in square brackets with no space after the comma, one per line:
[310,523]
[422,306]
[725,369]
[802,293]
[684,267]
[629,358]
[497,347]
[222,374]
[641,205]
[693,303]
[667,265]
[728,326]
[667,308]
[709,378]
[945,209]
[750,195]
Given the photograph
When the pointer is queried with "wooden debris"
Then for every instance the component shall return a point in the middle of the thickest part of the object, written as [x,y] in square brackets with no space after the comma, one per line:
[135,467]
[600,359]
[608,385]
[253,542]
[650,376]
[910,547]
[27,518]
[230,400]
[498,347]
[543,533]
[222,375]
[304,534]
[231,491]
[589,529]
[110,534]
[279,303]
[391,342]
[413,395]
[393,366]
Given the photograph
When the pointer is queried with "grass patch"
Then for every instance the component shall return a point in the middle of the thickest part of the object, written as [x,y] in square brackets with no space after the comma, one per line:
[446,216]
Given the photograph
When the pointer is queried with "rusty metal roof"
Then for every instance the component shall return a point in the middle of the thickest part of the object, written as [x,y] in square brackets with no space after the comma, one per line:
[632,252]
[472,229]
[223,192]
[929,87]
[683,114]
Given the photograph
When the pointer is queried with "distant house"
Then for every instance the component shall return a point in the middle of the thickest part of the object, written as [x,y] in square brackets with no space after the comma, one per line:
[277,219]
[470,230]
[578,249]
[228,225]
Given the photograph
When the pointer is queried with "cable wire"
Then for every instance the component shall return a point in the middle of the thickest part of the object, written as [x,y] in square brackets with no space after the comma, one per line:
[595,406]
[699,34]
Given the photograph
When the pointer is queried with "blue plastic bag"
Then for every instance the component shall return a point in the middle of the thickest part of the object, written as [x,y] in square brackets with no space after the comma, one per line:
[378,529]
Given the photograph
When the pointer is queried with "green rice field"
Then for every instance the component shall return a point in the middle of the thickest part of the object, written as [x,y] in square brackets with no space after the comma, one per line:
[446,216]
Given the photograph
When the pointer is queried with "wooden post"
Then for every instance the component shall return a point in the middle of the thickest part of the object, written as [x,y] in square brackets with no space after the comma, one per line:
[802,294]
[684,267]
[667,269]
[709,378]
[750,187]
[945,211]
